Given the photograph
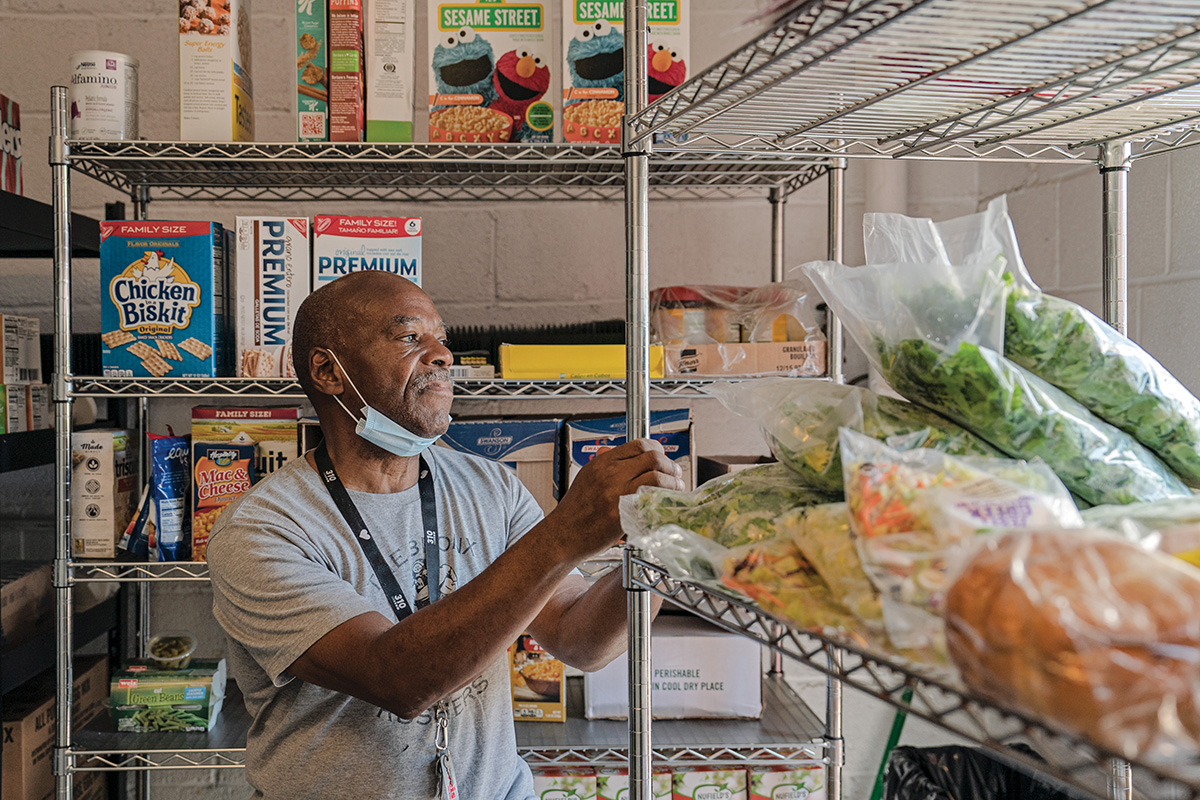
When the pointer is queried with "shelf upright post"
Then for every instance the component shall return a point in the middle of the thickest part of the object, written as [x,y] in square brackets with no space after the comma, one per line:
[637,377]
[778,198]
[61,184]
[1115,160]
[837,209]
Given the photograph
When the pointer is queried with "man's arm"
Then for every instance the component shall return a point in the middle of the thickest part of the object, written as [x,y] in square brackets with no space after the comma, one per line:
[408,666]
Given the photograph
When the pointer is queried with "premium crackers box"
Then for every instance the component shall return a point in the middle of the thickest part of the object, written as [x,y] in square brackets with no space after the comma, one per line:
[342,245]
[103,475]
[491,77]
[11,179]
[162,299]
[271,278]
[346,90]
[389,66]
[216,93]
[312,71]
[221,473]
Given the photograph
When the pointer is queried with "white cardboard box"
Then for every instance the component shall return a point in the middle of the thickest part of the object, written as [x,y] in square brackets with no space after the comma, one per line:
[216,93]
[342,245]
[271,279]
[103,474]
[21,345]
[388,42]
[699,671]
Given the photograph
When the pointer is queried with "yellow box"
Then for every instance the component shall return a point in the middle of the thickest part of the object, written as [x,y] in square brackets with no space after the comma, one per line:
[538,681]
[536,362]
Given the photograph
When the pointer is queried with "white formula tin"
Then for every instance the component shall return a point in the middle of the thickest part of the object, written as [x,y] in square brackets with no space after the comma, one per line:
[103,95]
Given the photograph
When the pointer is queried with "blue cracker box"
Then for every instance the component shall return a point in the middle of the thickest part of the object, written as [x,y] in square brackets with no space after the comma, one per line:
[586,437]
[162,299]
[527,446]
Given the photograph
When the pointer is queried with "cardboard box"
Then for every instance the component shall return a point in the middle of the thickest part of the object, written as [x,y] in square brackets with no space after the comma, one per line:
[491,76]
[221,473]
[613,784]
[144,698]
[11,179]
[162,311]
[273,430]
[21,343]
[26,601]
[103,474]
[216,92]
[534,362]
[346,91]
[38,410]
[787,782]
[529,447]
[587,436]
[14,408]
[342,245]
[312,72]
[706,783]
[538,683]
[797,359]
[390,53]
[699,671]
[271,278]
[565,783]
[29,727]
[472,372]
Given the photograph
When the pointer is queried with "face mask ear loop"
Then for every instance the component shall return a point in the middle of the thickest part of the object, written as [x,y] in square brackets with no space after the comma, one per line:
[338,361]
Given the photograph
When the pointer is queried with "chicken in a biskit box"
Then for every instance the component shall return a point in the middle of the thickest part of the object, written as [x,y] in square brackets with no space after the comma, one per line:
[342,245]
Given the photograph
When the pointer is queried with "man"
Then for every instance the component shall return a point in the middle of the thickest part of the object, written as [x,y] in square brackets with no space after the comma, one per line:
[357,692]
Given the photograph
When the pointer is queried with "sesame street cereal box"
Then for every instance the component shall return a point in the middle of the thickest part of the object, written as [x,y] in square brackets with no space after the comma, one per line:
[271,278]
[491,77]
[222,472]
[162,299]
[593,78]
[342,245]
[216,94]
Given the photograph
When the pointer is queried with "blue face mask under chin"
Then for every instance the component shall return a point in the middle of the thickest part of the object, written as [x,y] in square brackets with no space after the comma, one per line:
[381,430]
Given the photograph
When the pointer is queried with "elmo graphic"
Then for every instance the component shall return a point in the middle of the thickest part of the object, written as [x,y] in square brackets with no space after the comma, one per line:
[596,58]
[463,63]
[521,79]
[666,71]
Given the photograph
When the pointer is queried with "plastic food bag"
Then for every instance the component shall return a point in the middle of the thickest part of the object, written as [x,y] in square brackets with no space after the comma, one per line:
[800,421]
[1087,629]
[947,773]
[1168,526]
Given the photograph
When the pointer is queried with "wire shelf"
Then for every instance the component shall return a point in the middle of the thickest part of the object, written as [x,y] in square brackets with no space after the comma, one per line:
[137,571]
[323,171]
[935,697]
[1037,80]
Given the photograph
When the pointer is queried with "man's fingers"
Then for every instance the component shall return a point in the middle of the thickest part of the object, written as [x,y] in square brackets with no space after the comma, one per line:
[662,480]
[635,448]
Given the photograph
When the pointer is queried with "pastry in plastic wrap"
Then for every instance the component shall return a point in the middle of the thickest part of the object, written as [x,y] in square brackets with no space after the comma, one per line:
[1086,629]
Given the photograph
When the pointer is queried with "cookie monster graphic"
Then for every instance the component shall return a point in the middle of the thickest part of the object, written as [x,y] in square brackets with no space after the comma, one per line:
[666,70]
[463,64]
[596,59]
[520,80]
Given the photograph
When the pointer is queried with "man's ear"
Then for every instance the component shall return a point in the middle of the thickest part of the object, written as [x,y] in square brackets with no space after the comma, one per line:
[326,376]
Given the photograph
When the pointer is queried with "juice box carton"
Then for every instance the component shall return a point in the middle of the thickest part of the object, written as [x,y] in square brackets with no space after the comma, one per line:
[221,473]
[342,245]
[705,783]
[538,684]
[162,308]
[565,783]
[271,278]
[787,782]
[273,430]
[21,346]
[389,43]
[491,76]
[216,93]
[145,698]
[103,474]
[594,73]
[14,408]
[347,95]
[11,179]
[312,71]
[612,783]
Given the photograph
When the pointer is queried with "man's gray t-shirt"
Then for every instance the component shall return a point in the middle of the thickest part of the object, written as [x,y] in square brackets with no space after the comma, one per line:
[286,571]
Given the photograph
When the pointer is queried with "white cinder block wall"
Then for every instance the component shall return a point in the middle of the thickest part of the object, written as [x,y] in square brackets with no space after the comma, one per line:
[530,263]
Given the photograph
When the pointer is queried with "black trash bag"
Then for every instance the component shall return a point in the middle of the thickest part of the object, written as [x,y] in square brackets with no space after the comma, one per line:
[961,773]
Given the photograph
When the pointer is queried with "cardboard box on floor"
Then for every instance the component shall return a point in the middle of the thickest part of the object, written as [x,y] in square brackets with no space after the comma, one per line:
[529,447]
[26,601]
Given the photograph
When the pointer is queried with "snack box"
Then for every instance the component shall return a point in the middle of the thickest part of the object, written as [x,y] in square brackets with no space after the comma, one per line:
[706,783]
[145,698]
[787,782]
[699,671]
[271,278]
[390,52]
[539,684]
[26,601]
[273,430]
[11,179]
[346,91]
[37,407]
[216,93]
[103,475]
[162,308]
[529,447]
[565,783]
[593,77]
[534,362]
[21,344]
[221,473]
[342,245]
[796,359]
[612,783]
[491,76]
[587,436]
[14,408]
[312,71]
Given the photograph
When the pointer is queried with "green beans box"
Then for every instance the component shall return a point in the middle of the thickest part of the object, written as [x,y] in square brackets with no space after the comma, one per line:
[145,698]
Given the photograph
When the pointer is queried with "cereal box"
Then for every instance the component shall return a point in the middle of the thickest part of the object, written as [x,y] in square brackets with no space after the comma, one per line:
[342,245]
[346,91]
[538,683]
[491,71]
[221,473]
[270,281]
[11,179]
[390,61]
[14,409]
[216,94]
[705,783]
[787,782]
[21,344]
[103,474]
[273,430]
[594,73]
[613,784]
[163,299]
[565,783]
[312,72]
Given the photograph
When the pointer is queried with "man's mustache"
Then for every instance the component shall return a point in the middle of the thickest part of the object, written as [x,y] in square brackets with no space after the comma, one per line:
[421,381]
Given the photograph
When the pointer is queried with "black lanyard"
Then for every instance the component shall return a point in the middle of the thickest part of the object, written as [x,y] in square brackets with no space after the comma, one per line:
[387,578]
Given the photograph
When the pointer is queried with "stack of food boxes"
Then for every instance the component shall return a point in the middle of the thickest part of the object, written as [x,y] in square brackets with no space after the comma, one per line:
[783,781]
